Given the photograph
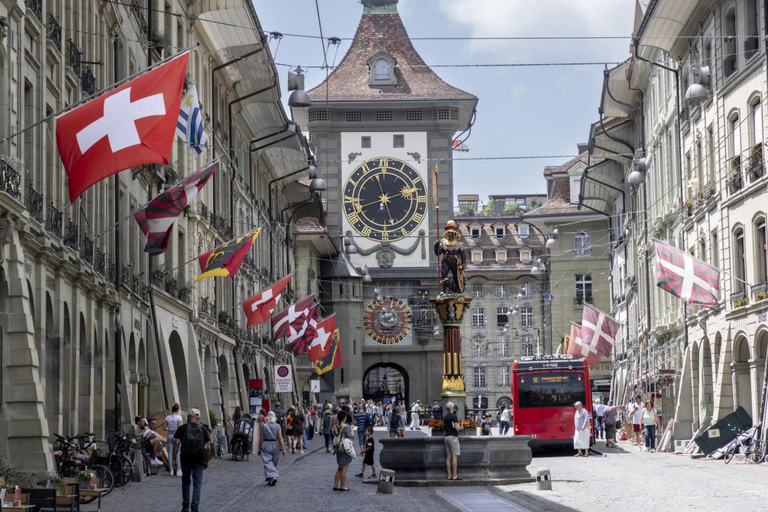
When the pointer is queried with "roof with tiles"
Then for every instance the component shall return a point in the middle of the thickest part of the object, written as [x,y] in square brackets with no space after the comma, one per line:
[488,238]
[560,202]
[384,32]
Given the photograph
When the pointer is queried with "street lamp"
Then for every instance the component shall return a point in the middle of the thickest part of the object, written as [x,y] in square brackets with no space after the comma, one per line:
[299,97]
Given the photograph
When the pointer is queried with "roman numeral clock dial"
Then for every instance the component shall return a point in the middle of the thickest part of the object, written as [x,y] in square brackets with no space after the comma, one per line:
[385,199]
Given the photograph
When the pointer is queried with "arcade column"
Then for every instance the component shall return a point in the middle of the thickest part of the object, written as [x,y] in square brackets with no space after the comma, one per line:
[451,310]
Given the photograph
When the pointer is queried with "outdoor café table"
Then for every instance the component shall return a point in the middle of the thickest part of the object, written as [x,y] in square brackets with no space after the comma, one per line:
[95,492]
[8,507]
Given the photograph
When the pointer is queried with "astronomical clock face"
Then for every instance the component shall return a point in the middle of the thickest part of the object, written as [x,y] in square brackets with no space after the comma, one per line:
[385,199]
[387,321]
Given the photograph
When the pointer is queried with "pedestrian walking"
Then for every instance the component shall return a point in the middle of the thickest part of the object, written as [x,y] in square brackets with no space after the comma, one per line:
[485,426]
[415,416]
[437,411]
[452,447]
[650,423]
[343,459]
[289,428]
[172,422]
[299,422]
[280,415]
[503,419]
[581,430]
[610,420]
[327,429]
[635,412]
[599,426]
[361,421]
[192,444]
[271,445]
[368,448]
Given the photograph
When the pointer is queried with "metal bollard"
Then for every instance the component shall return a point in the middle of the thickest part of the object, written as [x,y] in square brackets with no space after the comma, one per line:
[386,481]
[543,479]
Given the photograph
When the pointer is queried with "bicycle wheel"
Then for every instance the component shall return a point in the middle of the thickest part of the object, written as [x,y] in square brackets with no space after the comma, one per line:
[757,452]
[237,450]
[730,452]
[122,468]
[106,477]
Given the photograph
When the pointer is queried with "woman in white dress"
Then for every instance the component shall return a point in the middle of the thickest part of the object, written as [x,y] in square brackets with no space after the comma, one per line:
[581,430]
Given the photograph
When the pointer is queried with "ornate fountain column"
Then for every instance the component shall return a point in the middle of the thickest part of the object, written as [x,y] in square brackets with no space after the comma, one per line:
[451,309]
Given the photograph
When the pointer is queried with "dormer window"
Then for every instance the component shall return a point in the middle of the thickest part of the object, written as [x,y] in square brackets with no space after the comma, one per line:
[381,70]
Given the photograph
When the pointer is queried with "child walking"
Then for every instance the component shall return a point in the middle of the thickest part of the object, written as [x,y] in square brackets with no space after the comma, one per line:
[485,426]
[368,449]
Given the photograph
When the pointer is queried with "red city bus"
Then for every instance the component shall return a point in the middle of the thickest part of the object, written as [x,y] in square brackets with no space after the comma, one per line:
[544,389]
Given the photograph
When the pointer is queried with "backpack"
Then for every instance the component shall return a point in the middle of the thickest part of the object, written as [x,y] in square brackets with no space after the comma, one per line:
[336,437]
[368,420]
[280,414]
[193,443]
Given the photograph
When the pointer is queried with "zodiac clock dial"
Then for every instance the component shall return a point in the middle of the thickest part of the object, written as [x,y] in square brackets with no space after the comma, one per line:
[388,321]
[385,199]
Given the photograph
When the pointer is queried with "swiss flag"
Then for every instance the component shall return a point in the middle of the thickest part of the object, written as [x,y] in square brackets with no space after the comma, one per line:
[260,306]
[320,346]
[598,334]
[132,125]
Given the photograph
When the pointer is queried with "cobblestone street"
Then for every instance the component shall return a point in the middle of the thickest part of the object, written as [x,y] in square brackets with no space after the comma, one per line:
[598,483]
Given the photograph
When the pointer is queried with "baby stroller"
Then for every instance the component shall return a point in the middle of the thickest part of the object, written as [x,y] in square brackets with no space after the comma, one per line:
[242,438]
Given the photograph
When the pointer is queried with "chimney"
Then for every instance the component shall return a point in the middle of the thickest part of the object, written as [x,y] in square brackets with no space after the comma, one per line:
[582,147]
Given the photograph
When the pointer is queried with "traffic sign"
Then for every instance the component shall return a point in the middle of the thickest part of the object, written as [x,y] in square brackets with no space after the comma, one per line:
[549,297]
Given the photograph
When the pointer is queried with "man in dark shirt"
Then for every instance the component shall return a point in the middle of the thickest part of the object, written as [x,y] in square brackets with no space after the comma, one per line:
[194,442]
[280,415]
[452,449]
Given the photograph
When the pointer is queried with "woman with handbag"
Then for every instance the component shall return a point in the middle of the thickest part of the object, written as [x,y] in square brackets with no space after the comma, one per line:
[345,452]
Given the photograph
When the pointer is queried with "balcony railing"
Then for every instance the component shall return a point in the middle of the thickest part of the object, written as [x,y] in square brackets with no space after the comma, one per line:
[759,291]
[71,236]
[580,301]
[756,170]
[111,272]
[730,65]
[99,261]
[36,6]
[75,57]
[751,45]
[34,202]
[53,221]
[739,299]
[203,210]
[88,81]
[734,181]
[10,180]
[125,276]
[86,248]
[207,307]
[54,31]
[137,11]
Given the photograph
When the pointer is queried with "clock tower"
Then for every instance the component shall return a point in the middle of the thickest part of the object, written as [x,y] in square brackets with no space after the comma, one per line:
[380,125]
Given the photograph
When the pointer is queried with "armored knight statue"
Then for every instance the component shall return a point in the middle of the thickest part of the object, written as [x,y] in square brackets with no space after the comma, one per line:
[450,250]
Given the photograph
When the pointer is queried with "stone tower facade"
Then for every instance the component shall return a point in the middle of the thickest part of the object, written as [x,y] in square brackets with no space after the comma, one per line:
[380,124]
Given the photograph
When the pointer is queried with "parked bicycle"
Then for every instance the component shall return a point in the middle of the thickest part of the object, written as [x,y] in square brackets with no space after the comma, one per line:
[748,443]
[72,455]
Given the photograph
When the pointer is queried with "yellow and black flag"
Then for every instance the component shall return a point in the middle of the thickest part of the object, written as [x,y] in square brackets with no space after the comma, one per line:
[332,357]
[225,259]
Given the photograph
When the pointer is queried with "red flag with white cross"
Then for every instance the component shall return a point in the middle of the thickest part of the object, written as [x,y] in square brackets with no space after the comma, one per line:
[598,334]
[320,346]
[260,306]
[132,125]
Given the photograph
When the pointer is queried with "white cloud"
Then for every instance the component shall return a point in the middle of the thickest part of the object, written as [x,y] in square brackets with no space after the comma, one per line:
[516,18]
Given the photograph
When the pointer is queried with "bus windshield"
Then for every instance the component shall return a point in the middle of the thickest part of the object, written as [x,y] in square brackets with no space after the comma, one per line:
[548,389]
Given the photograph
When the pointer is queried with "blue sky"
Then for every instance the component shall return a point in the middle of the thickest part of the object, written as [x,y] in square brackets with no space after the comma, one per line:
[521,111]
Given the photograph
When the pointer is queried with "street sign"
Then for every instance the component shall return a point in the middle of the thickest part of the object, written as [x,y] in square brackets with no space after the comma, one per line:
[549,297]
[283,378]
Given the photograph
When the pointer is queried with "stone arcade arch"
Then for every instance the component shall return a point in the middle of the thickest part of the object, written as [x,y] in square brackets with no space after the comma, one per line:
[84,387]
[742,385]
[386,380]
[52,369]
[179,361]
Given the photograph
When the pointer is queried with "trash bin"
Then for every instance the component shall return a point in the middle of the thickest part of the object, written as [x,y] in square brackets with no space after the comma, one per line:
[386,481]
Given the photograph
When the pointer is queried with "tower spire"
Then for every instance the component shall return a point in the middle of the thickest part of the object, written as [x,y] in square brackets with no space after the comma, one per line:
[379,6]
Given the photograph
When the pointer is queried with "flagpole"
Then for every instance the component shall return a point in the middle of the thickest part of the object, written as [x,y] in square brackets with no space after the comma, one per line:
[437,221]
[96,94]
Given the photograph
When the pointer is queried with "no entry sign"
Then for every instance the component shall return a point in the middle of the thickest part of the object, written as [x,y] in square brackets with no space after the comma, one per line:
[283,378]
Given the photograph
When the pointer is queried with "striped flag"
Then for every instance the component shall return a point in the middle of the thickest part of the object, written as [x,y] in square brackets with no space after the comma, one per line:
[598,334]
[156,218]
[190,126]
[298,324]
[686,277]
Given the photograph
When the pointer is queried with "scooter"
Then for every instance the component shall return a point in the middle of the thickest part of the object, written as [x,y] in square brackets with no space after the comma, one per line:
[242,438]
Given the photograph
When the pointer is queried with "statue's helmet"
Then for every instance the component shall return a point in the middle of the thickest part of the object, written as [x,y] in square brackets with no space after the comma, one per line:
[451,231]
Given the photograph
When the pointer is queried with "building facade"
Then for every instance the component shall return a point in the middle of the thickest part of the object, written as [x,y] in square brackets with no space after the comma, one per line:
[578,263]
[92,331]
[509,314]
[381,125]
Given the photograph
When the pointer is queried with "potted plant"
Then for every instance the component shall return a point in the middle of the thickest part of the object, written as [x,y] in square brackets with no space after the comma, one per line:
[224,317]
[734,181]
[212,418]
[469,427]
[761,296]
[84,478]
[738,303]
[437,427]
[171,284]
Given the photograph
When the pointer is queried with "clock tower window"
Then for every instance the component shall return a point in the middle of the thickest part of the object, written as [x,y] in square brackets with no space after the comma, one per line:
[381,70]
[398,141]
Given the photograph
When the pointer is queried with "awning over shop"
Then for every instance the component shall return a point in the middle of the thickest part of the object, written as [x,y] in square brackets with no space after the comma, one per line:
[617,100]
[601,184]
[664,21]
[246,61]
[613,138]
